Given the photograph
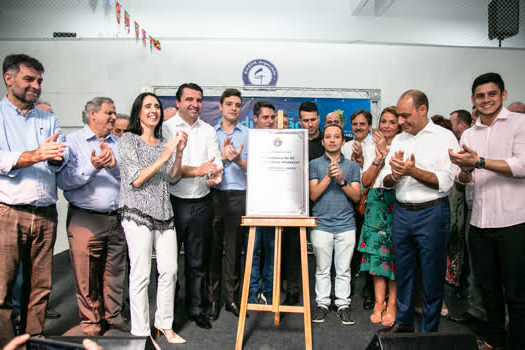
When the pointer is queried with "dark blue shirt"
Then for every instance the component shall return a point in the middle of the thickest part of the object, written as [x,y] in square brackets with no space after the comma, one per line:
[333,209]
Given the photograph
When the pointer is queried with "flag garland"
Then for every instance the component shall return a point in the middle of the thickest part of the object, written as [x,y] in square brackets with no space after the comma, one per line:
[153,43]
[137,30]
[126,20]
[117,11]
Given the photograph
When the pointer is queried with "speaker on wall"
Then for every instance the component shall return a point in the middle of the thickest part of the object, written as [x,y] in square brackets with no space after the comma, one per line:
[424,341]
[504,18]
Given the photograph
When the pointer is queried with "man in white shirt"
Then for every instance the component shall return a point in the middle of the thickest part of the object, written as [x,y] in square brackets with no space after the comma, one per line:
[362,143]
[190,196]
[419,168]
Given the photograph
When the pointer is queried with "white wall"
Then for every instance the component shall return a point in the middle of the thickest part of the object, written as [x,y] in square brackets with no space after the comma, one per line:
[78,70]
[429,22]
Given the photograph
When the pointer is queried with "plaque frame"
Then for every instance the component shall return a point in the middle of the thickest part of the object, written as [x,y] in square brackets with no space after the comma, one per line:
[277,174]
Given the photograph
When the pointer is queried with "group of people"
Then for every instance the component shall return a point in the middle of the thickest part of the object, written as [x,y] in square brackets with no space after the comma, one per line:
[167,182]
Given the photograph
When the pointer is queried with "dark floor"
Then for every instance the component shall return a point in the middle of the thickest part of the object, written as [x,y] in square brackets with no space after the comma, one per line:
[260,331]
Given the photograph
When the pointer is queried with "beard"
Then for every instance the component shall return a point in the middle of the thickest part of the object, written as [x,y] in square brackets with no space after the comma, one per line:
[25,96]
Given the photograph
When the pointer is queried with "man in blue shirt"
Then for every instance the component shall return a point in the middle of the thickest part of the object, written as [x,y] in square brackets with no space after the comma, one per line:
[31,152]
[229,204]
[91,184]
[334,184]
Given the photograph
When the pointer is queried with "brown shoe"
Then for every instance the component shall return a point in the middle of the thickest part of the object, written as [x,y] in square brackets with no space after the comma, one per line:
[483,345]
[397,328]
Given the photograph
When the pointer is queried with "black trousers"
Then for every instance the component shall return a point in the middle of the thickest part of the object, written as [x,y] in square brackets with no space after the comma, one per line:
[291,259]
[498,260]
[228,237]
[193,223]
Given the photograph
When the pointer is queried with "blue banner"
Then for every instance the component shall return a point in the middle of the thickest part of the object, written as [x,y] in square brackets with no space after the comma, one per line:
[290,105]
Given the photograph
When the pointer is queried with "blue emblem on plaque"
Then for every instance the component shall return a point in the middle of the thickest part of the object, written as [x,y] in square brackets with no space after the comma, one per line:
[259,72]
[277,142]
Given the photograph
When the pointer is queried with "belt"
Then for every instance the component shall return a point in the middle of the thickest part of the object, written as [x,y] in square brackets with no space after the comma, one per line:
[29,207]
[424,205]
[193,200]
[89,211]
[238,192]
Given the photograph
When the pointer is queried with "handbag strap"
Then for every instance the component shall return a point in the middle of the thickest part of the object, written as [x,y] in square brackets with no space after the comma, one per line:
[375,177]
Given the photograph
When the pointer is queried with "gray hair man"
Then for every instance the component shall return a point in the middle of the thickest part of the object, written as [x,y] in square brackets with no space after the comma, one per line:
[91,184]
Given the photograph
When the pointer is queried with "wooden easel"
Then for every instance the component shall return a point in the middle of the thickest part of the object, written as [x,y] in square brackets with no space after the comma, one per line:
[276,307]
[278,222]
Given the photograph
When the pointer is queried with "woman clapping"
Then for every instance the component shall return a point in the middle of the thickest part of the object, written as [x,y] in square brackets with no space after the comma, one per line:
[148,164]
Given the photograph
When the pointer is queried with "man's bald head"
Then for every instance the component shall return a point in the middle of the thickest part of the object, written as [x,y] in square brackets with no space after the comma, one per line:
[517,107]
[333,118]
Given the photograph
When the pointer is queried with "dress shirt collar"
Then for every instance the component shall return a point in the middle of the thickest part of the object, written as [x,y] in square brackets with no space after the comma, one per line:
[8,104]
[89,135]
[238,126]
[503,114]
[181,122]
[429,128]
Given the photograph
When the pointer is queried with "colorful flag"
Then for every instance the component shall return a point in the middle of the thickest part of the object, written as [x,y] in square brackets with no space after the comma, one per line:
[126,20]
[151,42]
[137,34]
[143,37]
[157,44]
[117,11]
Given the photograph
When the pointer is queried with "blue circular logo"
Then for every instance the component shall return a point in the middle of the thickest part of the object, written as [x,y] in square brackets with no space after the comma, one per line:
[259,72]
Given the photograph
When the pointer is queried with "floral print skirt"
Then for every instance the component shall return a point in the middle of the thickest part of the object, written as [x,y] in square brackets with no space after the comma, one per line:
[376,234]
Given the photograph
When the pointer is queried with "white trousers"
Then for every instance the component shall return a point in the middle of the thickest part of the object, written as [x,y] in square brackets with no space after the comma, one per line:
[340,247]
[141,241]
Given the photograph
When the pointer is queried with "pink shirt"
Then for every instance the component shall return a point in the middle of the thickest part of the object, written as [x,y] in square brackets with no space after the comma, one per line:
[499,201]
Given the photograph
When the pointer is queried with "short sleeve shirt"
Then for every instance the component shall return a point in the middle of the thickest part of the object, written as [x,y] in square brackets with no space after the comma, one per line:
[333,209]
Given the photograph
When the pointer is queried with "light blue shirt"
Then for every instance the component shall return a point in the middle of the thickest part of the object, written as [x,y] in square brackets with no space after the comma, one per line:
[233,177]
[35,184]
[83,185]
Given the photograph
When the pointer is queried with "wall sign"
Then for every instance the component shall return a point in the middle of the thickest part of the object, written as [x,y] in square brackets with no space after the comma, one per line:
[259,72]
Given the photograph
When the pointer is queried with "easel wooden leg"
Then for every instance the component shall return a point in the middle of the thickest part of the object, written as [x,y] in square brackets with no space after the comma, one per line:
[245,288]
[306,291]
[277,276]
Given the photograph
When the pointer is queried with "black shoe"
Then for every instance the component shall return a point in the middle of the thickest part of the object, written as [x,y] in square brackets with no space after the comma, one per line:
[368,302]
[291,299]
[123,326]
[320,314]
[201,321]
[463,318]
[397,328]
[344,315]
[233,308]
[52,314]
[212,312]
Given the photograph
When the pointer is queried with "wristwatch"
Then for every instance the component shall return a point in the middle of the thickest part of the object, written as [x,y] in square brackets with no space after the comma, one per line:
[344,183]
[480,164]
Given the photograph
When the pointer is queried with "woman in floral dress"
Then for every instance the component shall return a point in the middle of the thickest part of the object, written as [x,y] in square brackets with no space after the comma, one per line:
[376,235]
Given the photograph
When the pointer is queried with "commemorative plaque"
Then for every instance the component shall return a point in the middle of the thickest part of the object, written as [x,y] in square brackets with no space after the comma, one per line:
[277,173]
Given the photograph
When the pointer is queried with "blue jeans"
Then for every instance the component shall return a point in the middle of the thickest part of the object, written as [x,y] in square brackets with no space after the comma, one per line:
[340,247]
[264,244]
